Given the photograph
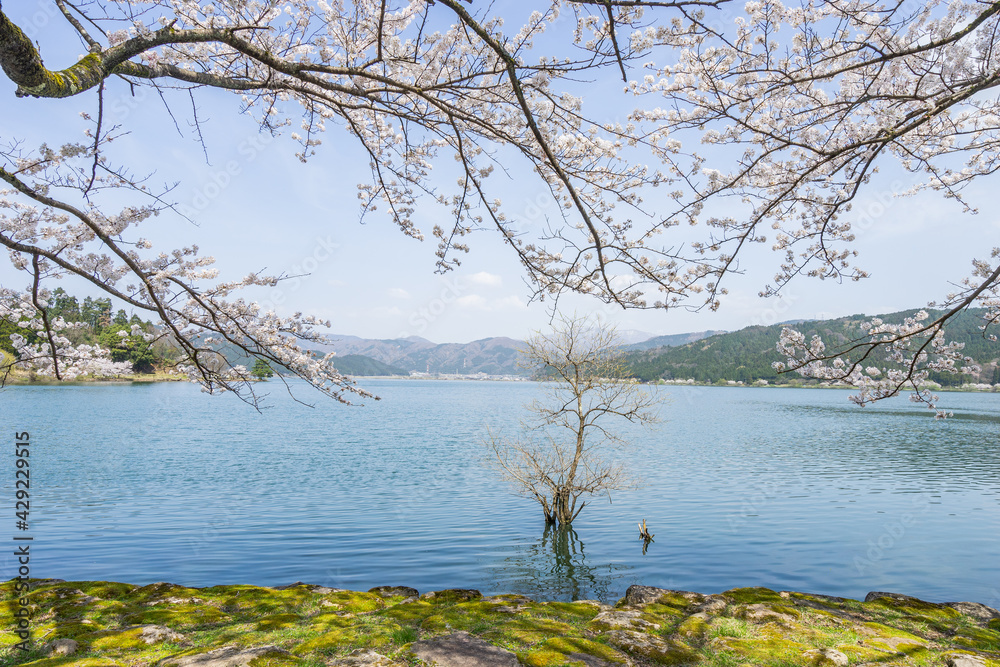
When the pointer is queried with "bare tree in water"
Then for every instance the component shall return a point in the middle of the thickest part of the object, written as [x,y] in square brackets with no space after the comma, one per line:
[566,451]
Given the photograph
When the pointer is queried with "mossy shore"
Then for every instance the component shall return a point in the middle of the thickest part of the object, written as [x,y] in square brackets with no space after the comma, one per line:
[103,624]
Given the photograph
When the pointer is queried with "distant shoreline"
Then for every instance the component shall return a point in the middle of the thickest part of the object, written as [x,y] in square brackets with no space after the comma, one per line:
[21,381]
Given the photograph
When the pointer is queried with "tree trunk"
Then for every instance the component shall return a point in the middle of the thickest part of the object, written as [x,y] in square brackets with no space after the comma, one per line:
[560,507]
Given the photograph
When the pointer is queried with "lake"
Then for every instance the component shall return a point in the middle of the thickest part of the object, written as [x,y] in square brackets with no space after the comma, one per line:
[786,488]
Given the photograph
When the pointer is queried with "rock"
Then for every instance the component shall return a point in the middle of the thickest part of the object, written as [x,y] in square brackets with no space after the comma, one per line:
[964,660]
[151,634]
[364,658]
[713,604]
[227,656]
[394,591]
[63,593]
[826,657]
[615,619]
[508,604]
[453,595]
[315,588]
[824,598]
[460,649]
[638,595]
[897,597]
[591,660]
[69,646]
[762,613]
[979,612]
[694,626]
[175,600]
[652,647]
[896,643]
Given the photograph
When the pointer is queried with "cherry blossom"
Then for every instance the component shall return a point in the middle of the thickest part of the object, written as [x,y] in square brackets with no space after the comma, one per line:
[747,124]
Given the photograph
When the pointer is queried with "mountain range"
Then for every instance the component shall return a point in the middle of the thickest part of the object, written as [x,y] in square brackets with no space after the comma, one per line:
[493,356]
[746,355]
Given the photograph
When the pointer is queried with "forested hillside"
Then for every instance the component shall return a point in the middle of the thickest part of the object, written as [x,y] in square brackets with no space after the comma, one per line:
[102,327]
[747,355]
[360,365]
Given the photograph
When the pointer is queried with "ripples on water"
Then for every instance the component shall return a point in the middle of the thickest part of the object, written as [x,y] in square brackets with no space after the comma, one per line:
[790,489]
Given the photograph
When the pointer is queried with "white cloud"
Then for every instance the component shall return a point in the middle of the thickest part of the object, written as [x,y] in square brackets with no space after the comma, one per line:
[398,293]
[487,279]
[481,303]
[471,301]
[510,302]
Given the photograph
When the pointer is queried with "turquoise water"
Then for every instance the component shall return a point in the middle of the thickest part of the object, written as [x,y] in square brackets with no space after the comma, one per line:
[789,489]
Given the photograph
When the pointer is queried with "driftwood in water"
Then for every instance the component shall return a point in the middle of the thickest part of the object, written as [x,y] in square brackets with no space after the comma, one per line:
[644,532]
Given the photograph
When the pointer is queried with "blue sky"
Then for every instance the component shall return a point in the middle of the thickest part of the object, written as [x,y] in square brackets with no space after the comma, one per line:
[257,206]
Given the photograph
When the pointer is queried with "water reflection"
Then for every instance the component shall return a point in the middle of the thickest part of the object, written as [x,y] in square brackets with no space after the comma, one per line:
[556,567]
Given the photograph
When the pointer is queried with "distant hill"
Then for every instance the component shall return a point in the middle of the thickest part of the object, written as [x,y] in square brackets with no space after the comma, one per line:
[746,355]
[495,356]
[672,340]
[360,365]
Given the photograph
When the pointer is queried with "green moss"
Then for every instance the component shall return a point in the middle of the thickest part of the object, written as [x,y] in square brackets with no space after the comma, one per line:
[994,624]
[352,601]
[156,593]
[662,651]
[672,599]
[451,595]
[109,590]
[67,630]
[178,617]
[276,622]
[693,627]
[253,601]
[361,635]
[815,599]
[570,645]
[523,631]
[666,611]
[547,658]
[512,599]
[542,634]
[73,661]
[411,612]
[858,653]
[117,641]
[565,611]
[110,613]
[752,595]
[888,638]
[330,621]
